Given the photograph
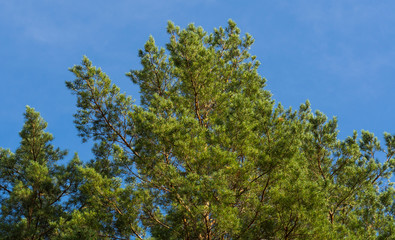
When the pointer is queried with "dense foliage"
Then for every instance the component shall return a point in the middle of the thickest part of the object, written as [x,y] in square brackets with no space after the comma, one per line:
[206,155]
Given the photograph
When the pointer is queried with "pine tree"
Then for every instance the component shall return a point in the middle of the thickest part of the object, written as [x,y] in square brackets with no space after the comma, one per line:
[208,154]
[34,189]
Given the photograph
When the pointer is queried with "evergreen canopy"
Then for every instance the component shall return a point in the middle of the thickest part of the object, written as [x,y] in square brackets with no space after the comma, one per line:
[206,155]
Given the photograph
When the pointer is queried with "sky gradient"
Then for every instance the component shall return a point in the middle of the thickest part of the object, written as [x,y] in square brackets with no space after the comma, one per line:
[338,54]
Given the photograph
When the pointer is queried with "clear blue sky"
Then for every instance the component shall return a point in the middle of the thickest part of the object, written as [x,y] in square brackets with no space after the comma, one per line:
[338,54]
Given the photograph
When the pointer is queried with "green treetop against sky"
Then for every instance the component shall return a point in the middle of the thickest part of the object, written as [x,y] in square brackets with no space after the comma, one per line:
[206,155]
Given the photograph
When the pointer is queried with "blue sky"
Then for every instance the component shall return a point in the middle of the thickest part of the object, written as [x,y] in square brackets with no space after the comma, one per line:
[338,54]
